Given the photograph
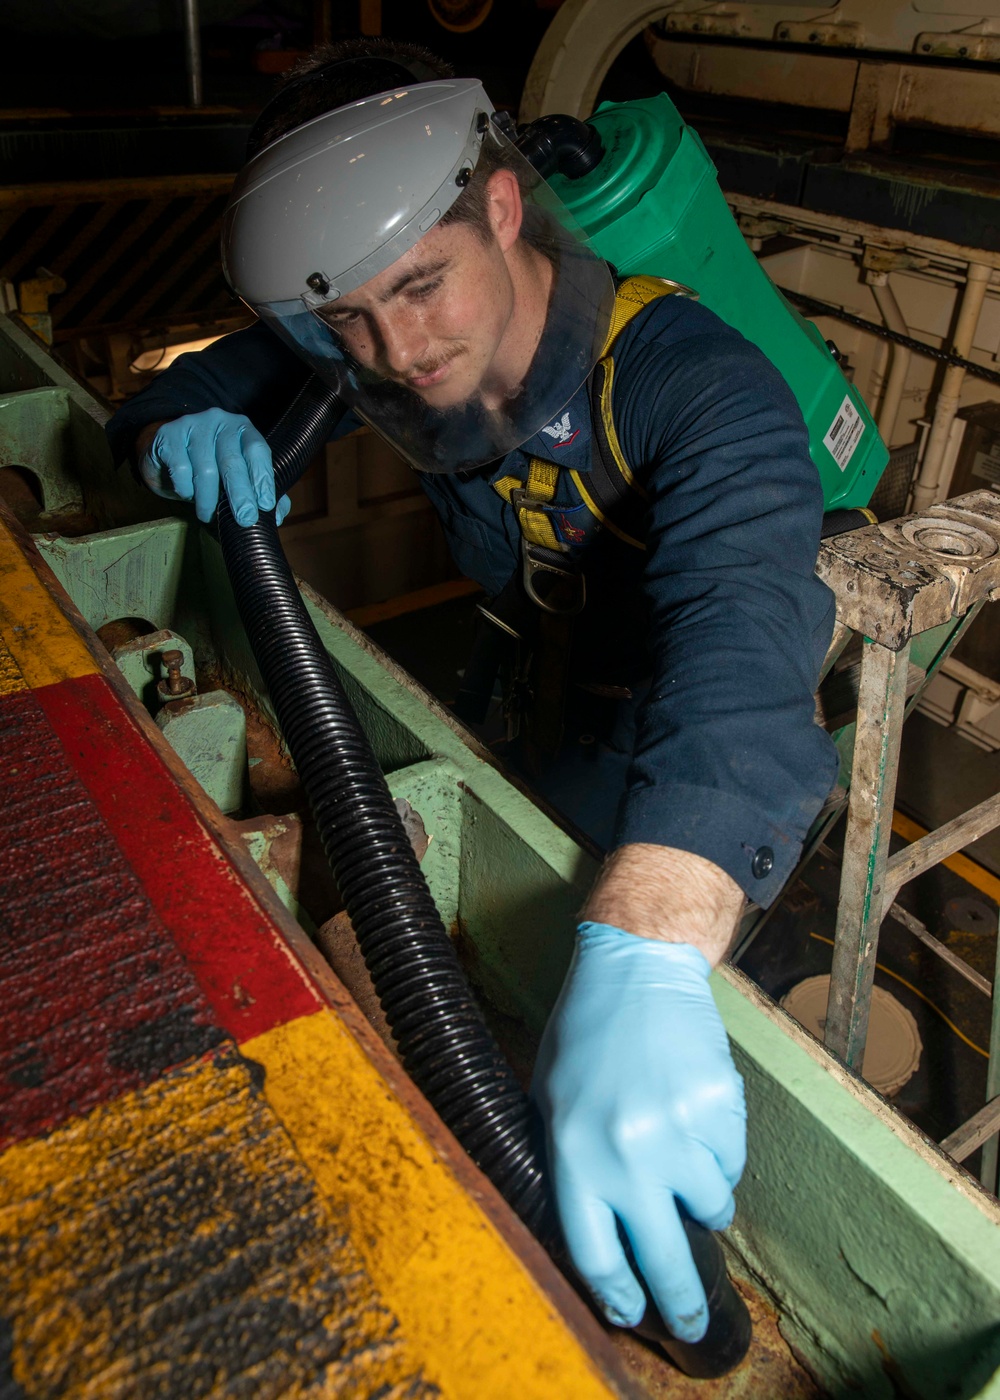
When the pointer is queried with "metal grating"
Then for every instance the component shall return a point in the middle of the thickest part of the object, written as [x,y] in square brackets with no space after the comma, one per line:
[129,250]
[893,490]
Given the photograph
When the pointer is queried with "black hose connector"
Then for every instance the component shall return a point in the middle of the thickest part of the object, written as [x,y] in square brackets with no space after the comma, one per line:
[730,1330]
[558,145]
[443,1040]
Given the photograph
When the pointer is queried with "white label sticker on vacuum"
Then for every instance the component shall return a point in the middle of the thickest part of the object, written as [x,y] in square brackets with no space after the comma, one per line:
[845,434]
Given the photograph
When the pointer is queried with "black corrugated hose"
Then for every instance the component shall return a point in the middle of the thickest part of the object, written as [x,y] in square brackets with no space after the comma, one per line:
[443,1039]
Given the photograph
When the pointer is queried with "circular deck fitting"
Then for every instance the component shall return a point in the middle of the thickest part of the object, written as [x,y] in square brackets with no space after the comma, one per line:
[951,537]
[892,1053]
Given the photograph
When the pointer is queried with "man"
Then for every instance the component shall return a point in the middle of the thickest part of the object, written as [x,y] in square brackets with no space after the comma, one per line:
[389,236]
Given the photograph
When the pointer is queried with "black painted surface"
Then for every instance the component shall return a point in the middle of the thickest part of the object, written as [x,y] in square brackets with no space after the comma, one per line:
[41,152]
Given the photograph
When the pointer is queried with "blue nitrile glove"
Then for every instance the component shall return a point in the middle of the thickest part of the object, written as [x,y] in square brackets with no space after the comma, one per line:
[643,1107]
[189,456]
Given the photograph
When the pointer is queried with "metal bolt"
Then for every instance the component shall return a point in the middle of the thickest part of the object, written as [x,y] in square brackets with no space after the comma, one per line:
[926,48]
[175,684]
[814,37]
[962,51]
[782,33]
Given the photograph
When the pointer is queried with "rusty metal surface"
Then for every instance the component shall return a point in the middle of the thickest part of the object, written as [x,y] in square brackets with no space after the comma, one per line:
[339,945]
[770,1370]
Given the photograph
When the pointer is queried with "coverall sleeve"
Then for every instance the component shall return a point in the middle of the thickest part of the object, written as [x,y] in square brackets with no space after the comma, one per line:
[728,762]
[250,371]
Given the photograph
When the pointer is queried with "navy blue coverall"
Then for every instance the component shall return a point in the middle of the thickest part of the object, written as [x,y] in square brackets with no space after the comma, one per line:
[719,627]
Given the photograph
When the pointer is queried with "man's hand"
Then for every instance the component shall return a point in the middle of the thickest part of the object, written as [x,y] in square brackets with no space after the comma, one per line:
[643,1109]
[642,1103]
[188,457]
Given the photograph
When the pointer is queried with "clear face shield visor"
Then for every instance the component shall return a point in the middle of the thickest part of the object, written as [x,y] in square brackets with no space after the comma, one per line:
[457,350]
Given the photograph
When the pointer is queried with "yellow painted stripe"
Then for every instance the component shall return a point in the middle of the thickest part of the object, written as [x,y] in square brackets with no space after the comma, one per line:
[175,1235]
[42,642]
[481,1325]
[973,873]
[11,679]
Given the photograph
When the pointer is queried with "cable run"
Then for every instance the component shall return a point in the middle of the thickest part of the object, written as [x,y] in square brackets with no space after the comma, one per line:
[814,307]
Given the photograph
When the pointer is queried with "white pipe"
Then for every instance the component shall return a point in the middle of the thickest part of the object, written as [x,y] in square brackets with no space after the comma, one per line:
[927,486]
[888,409]
[192,52]
[877,375]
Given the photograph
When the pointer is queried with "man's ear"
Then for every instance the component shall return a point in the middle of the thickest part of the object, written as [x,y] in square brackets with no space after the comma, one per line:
[504,206]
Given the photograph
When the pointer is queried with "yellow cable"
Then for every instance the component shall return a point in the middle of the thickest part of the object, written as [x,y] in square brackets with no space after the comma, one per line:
[881,967]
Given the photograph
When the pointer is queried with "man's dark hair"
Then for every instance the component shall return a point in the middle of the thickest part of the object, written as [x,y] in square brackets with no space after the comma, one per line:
[334,75]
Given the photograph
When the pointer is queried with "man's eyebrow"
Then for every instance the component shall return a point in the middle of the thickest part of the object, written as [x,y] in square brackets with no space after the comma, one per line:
[415,274]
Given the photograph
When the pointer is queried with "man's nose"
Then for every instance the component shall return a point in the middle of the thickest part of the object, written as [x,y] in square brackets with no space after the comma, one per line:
[403,342]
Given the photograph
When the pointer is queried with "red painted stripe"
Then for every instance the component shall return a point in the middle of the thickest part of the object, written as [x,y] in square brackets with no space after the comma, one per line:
[240,960]
[95,997]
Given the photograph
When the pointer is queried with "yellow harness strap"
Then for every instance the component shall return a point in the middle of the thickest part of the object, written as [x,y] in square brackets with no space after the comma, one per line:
[538,490]
[530,497]
[632,296]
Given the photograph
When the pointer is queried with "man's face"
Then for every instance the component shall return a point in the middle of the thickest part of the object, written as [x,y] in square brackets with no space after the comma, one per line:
[436,320]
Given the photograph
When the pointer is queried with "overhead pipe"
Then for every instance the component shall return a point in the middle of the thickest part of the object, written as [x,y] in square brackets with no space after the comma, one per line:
[192,52]
[878,374]
[888,408]
[928,484]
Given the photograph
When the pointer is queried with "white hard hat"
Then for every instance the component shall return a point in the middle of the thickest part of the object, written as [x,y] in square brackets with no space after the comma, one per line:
[336,201]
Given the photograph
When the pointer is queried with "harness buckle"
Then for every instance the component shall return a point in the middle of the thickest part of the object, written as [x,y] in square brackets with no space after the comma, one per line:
[554,589]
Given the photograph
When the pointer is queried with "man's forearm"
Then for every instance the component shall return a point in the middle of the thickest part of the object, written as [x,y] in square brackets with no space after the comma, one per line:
[662,893]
